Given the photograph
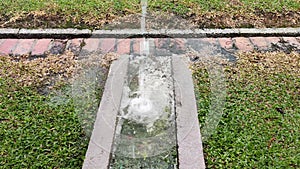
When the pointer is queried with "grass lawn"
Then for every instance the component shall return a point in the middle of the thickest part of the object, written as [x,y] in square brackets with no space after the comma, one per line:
[260,125]
[38,127]
[259,128]
[35,134]
[94,14]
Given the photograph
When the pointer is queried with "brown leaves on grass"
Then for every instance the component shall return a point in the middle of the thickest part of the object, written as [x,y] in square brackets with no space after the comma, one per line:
[39,72]
[249,19]
[42,19]
[258,66]
[231,18]
[52,71]
[269,62]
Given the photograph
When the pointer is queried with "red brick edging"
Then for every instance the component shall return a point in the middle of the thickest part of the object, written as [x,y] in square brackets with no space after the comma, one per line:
[40,47]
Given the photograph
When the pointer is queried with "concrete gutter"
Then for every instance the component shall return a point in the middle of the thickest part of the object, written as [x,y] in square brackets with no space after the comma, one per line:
[136,33]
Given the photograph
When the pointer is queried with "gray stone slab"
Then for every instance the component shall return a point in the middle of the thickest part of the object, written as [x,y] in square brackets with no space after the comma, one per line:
[179,32]
[100,146]
[213,33]
[54,33]
[124,33]
[9,33]
[137,33]
[249,32]
[190,150]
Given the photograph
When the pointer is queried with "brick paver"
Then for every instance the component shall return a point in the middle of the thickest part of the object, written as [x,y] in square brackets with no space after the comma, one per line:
[25,48]
[271,40]
[41,47]
[259,42]
[107,45]
[180,43]
[137,45]
[91,45]
[243,44]
[212,41]
[123,46]
[162,46]
[226,43]
[74,45]
[1,40]
[8,46]
[58,46]
[158,43]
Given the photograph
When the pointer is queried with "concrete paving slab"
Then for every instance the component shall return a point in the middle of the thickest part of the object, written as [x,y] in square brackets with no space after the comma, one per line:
[54,33]
[99,150]
[9,33]
[189,141]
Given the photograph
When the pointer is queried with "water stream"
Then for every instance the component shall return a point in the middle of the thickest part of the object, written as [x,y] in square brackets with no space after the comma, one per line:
[145,134]
[144,45]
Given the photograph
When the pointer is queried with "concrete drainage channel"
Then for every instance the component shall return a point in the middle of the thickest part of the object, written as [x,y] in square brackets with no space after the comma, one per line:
[147,116]
[147,121]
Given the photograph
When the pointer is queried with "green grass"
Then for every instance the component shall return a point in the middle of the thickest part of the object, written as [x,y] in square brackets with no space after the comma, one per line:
[203,6]
[34,134]
[260,125]
[65,13]
[49,129]
[94,14]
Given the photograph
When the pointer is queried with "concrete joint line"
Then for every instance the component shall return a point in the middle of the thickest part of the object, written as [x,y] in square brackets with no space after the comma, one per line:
[137,33]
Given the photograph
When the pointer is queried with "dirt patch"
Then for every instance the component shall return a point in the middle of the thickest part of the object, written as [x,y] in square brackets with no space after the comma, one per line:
[215,19]
[38,73]
[161,20]
[256,19]
[40,19]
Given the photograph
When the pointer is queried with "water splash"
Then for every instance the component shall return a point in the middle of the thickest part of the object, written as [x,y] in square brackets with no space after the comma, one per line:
[144,45]
[144,4]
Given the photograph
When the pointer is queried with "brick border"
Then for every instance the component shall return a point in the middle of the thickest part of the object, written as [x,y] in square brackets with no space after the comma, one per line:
[137,33]
[100,145]
[160,46]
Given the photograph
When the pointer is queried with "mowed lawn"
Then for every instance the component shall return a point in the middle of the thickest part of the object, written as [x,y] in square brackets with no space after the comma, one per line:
[260,123]
[259,127]
[94,14]
[43,123]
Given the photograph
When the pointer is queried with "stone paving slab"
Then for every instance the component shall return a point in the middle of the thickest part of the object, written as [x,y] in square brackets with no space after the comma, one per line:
[53,33]
[40,47]
[100,146]
[190,150]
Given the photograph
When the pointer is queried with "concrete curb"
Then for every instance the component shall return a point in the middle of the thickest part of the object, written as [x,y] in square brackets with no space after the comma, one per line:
[45,33]
[190,149]
[100,145]
[136,33]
